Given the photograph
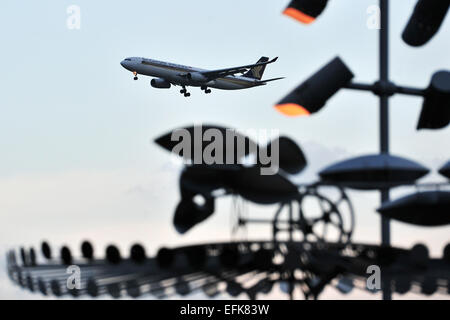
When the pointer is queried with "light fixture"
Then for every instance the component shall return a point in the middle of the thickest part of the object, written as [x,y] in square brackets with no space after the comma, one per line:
[445,170]
[188,213]
[436,107]
[373,172]
[425,21]
[430,208]
[264,189]
[195,135]
[204,179]
[291,157]
[305,11]
[312,94]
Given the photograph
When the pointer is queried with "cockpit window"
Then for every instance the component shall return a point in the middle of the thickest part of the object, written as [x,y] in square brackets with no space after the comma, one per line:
[127,59]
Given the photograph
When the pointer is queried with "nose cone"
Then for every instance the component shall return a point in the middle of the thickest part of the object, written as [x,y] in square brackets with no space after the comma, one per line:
[127,64]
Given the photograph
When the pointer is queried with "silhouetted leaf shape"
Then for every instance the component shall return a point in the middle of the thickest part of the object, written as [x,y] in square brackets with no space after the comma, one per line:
[133,289]
[386,255]
[264,189]
[165,258]
[74,292]
[373,172]
[158,291]
[196,133]
[445,170]
[182,288]
[46,251]
[210,290]
[345,285]
[113,290]
[291,157]
[419,255]
[113,255]
[87,250]
[425,21]
[196,256]
[23,257]
[265,286]
[55,287]
[205,179]
[42,286]
[66,256]
[229,257]
[20,279]
[286,286]
[32,257]
[234,289]
[430,208]
[30,284]
[446,253]
[137,253]
[92,288]
[402,284]
[263,259]
[12,258]
[429,285]
[262,286]
[188,213]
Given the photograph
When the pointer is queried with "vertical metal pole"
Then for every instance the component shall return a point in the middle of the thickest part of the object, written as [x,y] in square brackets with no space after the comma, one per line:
[384,122]
[291,238]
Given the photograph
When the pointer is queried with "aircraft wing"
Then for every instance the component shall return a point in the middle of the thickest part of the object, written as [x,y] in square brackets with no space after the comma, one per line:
[214,74]
[263,82]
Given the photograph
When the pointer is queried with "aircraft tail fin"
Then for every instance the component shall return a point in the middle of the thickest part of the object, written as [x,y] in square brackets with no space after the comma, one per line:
[257,72]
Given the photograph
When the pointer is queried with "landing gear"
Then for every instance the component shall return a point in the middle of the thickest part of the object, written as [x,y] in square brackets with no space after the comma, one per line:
[135,75]
[184,91]
[205,88]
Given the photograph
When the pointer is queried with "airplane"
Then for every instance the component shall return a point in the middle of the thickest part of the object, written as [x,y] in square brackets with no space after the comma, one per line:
[166,74]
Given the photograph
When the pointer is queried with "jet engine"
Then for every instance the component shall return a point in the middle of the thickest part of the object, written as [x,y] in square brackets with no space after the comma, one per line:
[160,83]
[196,77]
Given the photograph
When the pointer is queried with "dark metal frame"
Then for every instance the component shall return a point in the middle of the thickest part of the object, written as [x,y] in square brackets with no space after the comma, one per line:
[385,89]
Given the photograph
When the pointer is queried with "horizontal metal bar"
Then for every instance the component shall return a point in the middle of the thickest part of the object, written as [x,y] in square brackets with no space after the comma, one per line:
[360,86]
[389,89]
[410,91]
[265,221]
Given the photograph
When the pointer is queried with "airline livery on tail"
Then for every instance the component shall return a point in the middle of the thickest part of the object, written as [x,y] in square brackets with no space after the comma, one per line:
[167,74]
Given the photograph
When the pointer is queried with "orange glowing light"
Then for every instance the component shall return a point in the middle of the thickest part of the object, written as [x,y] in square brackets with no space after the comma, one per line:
[298,15]
[292,110]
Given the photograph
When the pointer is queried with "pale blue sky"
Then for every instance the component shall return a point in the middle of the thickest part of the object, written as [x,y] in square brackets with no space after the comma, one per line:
[76,130]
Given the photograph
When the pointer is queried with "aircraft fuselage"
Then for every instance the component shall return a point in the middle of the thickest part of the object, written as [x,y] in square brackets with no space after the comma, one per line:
[173,73]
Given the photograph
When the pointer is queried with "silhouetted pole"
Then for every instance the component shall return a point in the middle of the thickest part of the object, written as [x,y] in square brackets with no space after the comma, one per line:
[384,122]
